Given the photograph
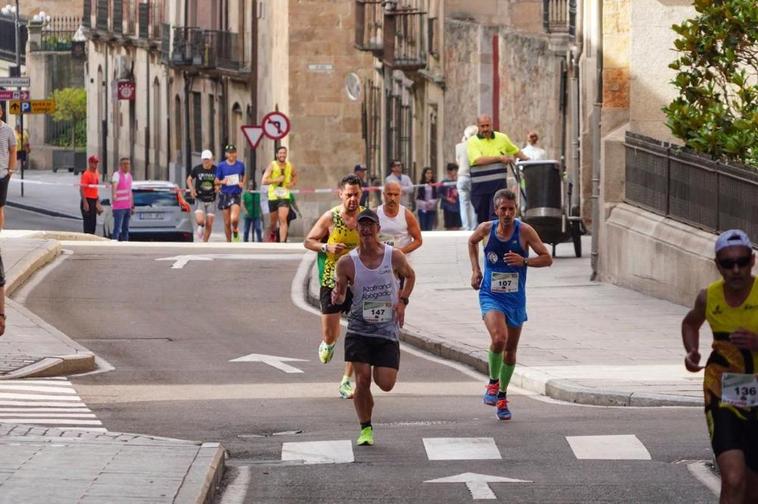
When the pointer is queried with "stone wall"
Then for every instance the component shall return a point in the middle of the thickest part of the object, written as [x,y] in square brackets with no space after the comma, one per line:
[52,7]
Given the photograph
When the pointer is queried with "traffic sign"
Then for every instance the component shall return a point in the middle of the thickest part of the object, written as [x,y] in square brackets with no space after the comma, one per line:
[253,134]
[275,125]
[7,94]
[31,107]
[15,82]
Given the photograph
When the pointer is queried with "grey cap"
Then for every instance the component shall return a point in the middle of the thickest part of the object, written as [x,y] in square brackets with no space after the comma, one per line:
[368,214]
[732,238]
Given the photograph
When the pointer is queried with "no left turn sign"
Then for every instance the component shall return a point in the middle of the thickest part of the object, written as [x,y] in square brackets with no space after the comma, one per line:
[275,125]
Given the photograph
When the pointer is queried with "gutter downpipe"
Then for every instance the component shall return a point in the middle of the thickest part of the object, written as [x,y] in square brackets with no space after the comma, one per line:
[597,42]
[575,57]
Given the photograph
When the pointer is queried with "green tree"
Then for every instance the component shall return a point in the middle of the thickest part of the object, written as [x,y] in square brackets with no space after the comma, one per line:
[716,112]
[70,106]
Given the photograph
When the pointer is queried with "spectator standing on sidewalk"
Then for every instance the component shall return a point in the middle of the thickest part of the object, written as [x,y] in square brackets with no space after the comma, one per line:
[730,383]
[489,154]
[7,163]
[531,150]
[230,174]
[397,225]
[376,314]
[502,295]
[202,186]
[406,184]
[123,200]
[450,199]
[427,196]
[90,195]
[360,172]
[251,201]
[23,148]
[468,216]
[280,176]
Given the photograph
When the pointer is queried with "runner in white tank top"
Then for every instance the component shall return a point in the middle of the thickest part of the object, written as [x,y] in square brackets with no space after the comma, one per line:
[398,225]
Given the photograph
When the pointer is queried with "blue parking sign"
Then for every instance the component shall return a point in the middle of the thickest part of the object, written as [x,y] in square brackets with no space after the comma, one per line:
[26,107]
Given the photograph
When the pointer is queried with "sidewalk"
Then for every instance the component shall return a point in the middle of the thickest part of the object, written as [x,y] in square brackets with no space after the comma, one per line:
[57,194]
[41,464]
[585,342]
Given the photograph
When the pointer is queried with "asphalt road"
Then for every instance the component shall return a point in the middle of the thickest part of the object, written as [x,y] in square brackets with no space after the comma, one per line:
[170,334]
[18,218]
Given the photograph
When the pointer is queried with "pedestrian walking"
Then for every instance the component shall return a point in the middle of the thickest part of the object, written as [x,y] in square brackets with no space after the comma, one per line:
[468,216]
[23,147]
[251,201]
[334,235]
[397,225]
[502,295]
[90,195]
[397,175]
[280,176]
[376,314]
[122,201]
[201,183]
[7,163]
[531,150]
[427,196]
[451,209]
[730,382]
[230,175]
[489,154]
[360,171]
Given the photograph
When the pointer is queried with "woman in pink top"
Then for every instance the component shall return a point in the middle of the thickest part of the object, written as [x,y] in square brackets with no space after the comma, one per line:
[121,190]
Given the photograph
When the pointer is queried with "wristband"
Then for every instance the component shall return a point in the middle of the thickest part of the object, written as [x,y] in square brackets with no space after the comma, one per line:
[325,248]
[405,300]
[526,262]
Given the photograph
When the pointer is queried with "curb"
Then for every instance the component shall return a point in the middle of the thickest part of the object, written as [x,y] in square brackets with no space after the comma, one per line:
[534,381]
[61,365]
[28,268]
[44,211]
[204,475]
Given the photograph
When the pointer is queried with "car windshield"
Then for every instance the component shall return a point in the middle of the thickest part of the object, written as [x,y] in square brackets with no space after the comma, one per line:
[155,198]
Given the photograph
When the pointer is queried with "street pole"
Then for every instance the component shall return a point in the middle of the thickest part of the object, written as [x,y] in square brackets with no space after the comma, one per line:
[20,118]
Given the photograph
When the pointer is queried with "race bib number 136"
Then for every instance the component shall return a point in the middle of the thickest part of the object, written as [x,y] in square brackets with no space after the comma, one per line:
[739,389]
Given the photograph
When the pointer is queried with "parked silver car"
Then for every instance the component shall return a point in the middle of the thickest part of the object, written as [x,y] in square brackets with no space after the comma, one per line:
[160,213]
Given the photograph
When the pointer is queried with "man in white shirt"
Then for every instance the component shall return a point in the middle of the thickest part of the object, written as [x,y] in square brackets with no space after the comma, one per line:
[531,150]
[398,225]
[7,162]
[406,184]
[468,217]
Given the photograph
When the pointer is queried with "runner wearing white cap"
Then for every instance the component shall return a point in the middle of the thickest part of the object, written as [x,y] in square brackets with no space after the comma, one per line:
[202,186]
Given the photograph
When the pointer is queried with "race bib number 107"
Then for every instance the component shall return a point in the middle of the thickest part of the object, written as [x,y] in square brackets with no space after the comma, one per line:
[739,389]
[504,282]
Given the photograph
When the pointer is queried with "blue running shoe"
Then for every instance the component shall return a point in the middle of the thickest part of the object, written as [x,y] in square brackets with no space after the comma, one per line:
[490,393]
[503,413]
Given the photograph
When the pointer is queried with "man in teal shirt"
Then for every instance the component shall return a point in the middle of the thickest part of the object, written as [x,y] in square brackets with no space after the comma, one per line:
[251,200]
[489,154]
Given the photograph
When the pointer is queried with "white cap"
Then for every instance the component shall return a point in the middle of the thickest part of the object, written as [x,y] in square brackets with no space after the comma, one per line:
[206,154]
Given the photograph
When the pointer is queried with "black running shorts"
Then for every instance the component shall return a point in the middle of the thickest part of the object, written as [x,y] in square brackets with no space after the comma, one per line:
[732,429]
[378,352]
[227,200]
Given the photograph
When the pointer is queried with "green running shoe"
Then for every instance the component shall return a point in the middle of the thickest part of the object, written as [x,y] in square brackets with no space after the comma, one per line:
[346,390]
[325,352]
[235,236]
[366,438]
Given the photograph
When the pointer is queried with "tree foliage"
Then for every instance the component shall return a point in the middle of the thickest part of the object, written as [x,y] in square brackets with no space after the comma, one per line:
[716,112]
[71,106]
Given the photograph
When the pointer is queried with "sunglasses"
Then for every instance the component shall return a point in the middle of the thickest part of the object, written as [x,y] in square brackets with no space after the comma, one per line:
[740,262]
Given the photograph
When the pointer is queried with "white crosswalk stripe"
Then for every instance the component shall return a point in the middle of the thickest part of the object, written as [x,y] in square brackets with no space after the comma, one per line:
[47,402]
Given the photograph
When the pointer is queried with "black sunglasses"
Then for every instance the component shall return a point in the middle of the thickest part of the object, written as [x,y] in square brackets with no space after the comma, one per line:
[741,262]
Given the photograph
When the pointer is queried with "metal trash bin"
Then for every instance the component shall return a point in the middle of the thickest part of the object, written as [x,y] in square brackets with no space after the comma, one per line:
[542,206]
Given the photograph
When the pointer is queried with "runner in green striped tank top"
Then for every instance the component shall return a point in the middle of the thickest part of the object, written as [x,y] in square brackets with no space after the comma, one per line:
[334,235]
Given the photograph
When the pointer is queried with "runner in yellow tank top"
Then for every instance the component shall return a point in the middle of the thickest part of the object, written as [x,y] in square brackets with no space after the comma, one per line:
[280,176]
[730,384]
[334,235]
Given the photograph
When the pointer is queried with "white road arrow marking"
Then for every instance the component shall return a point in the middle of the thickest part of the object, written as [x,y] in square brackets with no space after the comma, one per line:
[273,361]
[181,261]
[477,484]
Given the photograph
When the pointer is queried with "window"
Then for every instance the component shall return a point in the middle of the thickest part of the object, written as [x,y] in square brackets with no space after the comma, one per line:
[197,120]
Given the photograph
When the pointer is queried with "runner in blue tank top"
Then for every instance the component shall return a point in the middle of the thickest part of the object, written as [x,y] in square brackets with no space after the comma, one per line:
[502,289]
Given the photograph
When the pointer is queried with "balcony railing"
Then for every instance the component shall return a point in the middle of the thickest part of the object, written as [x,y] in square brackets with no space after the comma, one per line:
[188,47]
[8,38]
[405,31]
[223,50]
[690,188]
[58,34]
[369,20]
[559,16]
[101,20]
[165,42]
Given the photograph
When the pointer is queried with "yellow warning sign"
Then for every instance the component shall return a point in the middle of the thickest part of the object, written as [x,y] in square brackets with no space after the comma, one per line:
[31,107]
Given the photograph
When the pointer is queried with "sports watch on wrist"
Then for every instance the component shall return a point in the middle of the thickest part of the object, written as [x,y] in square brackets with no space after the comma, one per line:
[405,300]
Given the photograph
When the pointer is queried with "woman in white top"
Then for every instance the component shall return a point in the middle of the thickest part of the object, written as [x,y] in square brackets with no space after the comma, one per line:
[468,217]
